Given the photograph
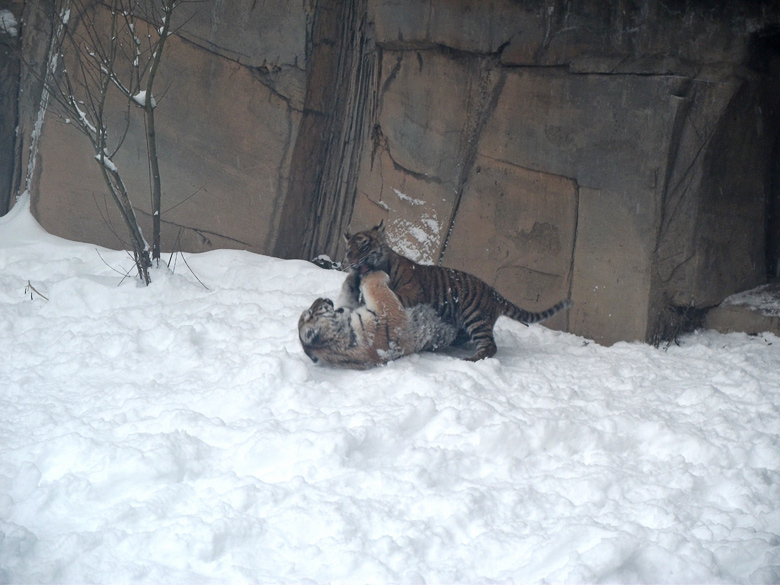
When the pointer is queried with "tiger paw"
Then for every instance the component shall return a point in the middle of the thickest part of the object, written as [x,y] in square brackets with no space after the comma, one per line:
[375,278]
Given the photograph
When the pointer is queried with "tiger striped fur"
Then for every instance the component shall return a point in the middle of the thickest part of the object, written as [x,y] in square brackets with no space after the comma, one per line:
[378,331]
[459,298]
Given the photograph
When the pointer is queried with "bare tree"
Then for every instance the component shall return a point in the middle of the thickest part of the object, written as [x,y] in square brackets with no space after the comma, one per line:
[101,48]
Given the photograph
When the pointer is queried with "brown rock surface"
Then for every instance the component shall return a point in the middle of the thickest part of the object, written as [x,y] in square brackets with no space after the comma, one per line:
[225,154]
[618,154]
[515,230]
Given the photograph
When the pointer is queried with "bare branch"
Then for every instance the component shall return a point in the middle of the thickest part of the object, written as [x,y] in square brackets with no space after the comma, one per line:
[31,289]
[100,50]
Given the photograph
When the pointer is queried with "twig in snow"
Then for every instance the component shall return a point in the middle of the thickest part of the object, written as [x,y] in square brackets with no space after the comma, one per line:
[124,274]
[31,289]
[177,251]
[193,272]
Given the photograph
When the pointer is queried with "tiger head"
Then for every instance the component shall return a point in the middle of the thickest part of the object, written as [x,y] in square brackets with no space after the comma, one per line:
[320,327]
[367,251]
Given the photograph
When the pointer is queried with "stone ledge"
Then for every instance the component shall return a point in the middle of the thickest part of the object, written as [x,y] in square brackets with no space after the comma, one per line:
[754,311]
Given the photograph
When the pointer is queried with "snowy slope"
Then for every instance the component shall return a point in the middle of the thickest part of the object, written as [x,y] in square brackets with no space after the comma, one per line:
[177,434]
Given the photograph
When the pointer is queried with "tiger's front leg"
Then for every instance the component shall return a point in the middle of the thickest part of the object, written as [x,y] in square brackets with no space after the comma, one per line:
[383,303]
[378,298]
[349,297]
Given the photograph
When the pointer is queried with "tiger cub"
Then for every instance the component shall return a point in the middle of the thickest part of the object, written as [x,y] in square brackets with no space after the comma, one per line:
[469,304]
[378,331]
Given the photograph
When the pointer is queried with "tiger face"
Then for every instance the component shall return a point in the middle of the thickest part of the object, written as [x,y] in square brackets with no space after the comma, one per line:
[319,326]
[366,251]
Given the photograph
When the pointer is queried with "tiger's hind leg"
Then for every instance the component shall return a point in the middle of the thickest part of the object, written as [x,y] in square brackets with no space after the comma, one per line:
[482,336]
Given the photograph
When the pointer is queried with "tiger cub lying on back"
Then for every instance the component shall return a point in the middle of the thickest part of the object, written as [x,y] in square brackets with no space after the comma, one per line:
[378,331]
[460,299]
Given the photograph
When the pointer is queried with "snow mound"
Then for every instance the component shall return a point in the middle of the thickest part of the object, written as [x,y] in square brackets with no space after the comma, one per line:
[176,433]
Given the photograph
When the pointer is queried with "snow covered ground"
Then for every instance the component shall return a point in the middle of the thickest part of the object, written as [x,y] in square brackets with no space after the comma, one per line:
[176,434]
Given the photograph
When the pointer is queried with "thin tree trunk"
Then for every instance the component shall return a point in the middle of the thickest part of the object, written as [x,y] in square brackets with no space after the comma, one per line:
[151,133]
[120,195]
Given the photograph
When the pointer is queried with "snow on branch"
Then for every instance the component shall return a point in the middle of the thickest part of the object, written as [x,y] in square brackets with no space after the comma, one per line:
[83,120]
[8,24]
[140,99]
[103,159]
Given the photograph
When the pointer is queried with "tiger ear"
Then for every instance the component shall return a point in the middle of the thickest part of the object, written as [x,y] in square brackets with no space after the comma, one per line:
[347,237]
[380,229]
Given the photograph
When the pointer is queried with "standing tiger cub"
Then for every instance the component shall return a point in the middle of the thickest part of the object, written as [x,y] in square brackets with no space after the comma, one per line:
[469,304]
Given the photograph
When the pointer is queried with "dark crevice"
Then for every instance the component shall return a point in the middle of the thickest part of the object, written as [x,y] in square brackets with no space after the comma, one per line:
[337,118]
[573,256]
[764,57]
[380,142]
[677,320]
[491,82]
[267,76]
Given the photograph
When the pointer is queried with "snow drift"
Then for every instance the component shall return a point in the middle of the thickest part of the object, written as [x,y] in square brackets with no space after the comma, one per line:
[176,433]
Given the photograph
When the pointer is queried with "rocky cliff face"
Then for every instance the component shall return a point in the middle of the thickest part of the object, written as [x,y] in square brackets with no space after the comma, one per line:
[10,15]
[228,115]
[621,154]
[615,153]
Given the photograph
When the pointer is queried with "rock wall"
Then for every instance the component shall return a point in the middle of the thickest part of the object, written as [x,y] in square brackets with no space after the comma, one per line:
[10,17]
[612,153]
[230,105]
[623,155]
